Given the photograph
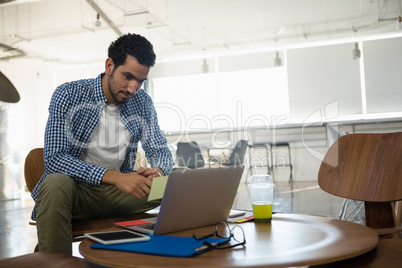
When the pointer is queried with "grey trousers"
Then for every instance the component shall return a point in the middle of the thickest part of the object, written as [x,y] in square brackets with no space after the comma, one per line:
[62,200]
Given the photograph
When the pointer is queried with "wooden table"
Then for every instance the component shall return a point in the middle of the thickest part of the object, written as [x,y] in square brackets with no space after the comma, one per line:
[289,240]
[46,259]
[388,253]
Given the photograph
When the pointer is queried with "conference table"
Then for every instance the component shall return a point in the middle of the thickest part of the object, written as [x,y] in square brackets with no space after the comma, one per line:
[289,240]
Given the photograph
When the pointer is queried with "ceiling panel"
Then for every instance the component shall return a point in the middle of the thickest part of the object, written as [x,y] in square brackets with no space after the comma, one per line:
[65,30]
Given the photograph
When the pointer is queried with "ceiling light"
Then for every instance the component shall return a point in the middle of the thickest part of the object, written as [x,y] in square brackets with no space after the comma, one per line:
[97,22]
[356,52]
[277,60]
[281,31]
[399,23]
[204,66]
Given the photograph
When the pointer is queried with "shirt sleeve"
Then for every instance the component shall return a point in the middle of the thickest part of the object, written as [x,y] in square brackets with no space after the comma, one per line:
[62,148]
[155,143]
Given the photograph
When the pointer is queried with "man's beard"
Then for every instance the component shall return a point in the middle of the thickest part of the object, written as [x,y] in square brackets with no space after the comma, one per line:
[113,93]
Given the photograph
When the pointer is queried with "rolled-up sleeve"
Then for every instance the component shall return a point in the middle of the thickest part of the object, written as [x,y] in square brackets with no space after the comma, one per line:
[143,124]
[155,144]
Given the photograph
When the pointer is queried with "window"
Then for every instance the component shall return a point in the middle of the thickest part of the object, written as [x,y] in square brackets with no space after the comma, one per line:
[238,99]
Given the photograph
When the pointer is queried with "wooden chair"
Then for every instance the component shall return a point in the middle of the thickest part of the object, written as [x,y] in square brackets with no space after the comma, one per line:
[33,171]
[367,167]
[350,209]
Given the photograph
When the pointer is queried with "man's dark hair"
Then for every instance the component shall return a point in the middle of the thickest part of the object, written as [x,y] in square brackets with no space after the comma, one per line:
[133,45]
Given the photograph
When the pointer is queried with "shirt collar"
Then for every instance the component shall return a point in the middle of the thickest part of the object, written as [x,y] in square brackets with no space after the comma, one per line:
[99,95]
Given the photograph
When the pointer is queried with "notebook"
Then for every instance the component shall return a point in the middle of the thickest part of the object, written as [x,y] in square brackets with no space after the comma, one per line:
[193,198]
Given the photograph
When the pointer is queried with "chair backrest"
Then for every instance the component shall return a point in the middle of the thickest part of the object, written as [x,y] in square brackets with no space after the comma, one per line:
[189,155]
[366,167]
[239,152]
[34,167]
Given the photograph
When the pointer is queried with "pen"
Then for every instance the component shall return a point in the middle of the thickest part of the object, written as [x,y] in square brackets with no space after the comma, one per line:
[155,170]
[204,248]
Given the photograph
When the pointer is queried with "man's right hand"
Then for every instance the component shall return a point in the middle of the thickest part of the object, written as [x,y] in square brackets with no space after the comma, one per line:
[133,183]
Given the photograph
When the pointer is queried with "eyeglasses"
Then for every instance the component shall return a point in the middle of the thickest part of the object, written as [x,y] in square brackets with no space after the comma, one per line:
[223,230]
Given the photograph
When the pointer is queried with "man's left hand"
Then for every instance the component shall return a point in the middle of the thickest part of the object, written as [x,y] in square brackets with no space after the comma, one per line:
[150,172]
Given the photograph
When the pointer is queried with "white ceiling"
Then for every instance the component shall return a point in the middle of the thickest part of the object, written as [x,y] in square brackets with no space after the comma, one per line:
[65,31]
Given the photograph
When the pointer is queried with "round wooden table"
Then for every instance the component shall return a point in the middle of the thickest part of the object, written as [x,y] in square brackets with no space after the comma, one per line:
[289,240]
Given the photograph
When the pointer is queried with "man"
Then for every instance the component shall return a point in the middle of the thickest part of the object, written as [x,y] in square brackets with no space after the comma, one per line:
[91,141]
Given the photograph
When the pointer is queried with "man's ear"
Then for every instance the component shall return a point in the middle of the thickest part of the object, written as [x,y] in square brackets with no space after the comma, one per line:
[109,65]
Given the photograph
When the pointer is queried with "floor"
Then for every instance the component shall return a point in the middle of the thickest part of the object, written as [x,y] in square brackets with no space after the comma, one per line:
[18,237]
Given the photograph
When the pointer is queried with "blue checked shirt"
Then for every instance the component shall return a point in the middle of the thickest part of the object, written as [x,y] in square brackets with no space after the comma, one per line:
[75,110]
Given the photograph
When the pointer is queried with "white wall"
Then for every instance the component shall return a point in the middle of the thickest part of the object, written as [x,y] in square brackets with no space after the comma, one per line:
[34,81]
[383,75]
[26,119]
[320,77]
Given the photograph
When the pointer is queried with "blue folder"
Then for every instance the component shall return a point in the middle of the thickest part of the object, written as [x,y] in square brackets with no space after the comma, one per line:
[176,246]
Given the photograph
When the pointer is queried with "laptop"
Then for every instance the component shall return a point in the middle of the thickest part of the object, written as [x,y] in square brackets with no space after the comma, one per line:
[194,198]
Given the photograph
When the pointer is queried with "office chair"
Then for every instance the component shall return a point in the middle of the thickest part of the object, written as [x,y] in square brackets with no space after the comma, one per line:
[270,156]
[236,158]
[367,167]
[33,170]
[189,155]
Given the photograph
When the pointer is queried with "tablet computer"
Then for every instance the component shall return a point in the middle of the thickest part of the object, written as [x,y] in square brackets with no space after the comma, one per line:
[117,237]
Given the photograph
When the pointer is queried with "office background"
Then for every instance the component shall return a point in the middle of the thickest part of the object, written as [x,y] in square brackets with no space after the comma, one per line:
[278,78]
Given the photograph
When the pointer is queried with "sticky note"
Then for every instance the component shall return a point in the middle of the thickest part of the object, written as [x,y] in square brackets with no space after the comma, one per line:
[131,223]
[245,219]
[157,188]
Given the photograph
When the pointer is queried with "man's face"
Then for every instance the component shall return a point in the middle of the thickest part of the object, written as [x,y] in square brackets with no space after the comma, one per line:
[126,80]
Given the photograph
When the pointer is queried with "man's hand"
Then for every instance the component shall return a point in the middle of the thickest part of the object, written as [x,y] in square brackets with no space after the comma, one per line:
[133,183]
[151,172]
[137,184]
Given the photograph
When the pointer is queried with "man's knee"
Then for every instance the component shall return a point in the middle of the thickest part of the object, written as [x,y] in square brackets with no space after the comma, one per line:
[57,181]
[56,186]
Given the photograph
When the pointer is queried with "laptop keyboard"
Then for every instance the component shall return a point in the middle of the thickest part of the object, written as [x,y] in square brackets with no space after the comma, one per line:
[149,226]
